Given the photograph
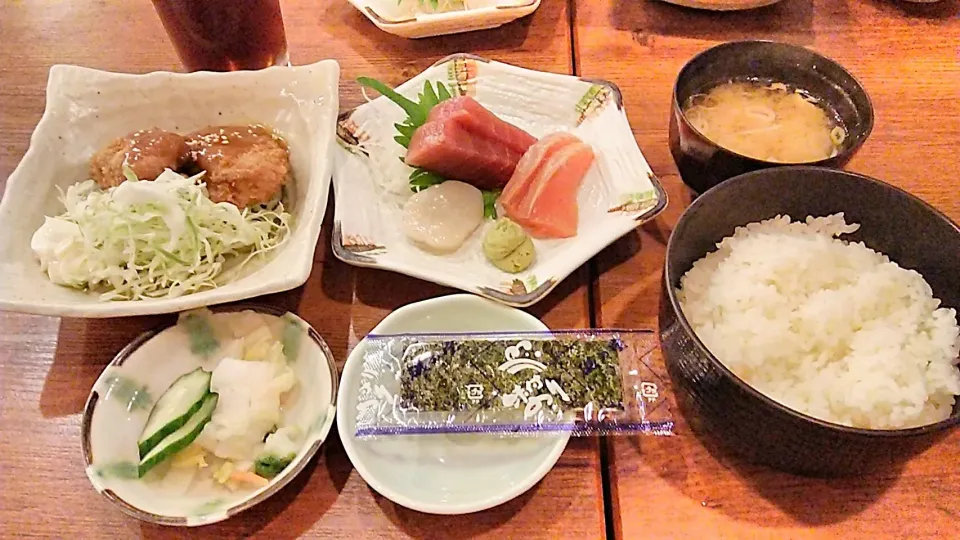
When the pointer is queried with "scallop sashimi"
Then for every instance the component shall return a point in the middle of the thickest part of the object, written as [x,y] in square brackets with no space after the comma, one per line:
[542,195]
[442,217]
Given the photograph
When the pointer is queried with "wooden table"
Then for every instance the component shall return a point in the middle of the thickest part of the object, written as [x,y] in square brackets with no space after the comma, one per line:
[908,58]
[47,366]
[669,488]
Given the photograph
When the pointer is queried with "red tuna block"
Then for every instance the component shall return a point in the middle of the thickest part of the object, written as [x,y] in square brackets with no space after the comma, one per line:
[445,147]
[462,140]
[483,123]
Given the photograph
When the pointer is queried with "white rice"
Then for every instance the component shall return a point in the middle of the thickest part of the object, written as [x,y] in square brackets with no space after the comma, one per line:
[826,327]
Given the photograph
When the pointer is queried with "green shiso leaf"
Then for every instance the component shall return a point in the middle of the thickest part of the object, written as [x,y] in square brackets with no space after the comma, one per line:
[413,109]
[406,130]
[421,180]
[442,92]
[429,97]
[490,203]
[417,113]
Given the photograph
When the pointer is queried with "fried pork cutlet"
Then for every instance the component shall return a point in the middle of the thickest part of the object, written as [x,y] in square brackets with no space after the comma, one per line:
[246,165]
[147,153]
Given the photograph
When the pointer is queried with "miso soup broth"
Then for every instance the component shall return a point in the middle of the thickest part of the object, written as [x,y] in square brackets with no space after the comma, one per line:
[766,120]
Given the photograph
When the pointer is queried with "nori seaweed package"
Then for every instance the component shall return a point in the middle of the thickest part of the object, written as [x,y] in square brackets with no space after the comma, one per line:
[584,382]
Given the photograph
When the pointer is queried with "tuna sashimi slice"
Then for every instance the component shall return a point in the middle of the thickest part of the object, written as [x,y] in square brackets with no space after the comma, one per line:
[549,209]
[536,157]
[445,147]
[483,123]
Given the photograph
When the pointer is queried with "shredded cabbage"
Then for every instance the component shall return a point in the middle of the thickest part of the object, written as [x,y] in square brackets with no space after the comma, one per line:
[388,170]
[163,238]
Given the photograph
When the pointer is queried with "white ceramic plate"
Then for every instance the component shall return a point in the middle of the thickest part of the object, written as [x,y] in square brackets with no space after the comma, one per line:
[446,474]
[87,108]
[123,397]
[390,17]
[619,193]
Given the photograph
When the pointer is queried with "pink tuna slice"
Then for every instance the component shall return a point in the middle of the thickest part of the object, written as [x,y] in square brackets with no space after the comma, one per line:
[549,209]
[483,123]
[447,148]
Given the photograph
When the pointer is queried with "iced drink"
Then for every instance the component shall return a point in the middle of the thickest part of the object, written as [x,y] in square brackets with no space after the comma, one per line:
[225,35]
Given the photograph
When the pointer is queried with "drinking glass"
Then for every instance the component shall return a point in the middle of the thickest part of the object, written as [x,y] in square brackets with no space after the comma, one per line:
[225,35]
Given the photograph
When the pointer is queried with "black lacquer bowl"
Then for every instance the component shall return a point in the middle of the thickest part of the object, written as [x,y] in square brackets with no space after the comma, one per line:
[726,409]
[702,163]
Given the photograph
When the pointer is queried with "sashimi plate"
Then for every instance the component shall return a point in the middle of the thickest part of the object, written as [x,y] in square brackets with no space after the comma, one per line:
[619,193]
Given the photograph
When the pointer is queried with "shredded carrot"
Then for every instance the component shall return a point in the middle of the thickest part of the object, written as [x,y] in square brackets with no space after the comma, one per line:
[249,478]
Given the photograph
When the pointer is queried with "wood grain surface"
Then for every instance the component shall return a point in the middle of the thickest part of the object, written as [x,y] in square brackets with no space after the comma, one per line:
[908,58]
[47,365]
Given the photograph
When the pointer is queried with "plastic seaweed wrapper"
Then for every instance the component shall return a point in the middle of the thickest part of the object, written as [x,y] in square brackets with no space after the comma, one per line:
[583,382]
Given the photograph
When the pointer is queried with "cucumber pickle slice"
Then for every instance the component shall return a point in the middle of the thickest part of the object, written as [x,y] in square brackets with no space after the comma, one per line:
[174,408]
[182,437]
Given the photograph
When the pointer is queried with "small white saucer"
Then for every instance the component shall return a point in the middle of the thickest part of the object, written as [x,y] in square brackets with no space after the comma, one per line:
[446,474]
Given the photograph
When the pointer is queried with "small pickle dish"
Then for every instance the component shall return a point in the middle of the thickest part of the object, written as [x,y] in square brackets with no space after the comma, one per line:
[194,423]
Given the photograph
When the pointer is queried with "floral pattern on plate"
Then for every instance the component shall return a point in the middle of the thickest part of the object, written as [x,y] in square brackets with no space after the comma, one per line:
[370,180]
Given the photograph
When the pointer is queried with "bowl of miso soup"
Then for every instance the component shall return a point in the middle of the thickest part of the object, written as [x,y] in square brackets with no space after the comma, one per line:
[748,105]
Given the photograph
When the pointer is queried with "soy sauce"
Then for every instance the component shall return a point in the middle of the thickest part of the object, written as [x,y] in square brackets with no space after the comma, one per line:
[225,35]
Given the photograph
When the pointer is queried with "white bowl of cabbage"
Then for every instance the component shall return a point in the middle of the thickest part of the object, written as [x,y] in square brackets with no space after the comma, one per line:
[201,420]
[77,243]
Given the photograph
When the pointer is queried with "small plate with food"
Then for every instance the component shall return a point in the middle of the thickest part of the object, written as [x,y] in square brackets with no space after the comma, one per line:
[163,192]
[197,422]
[425,18]
[489,178]
[448,474]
